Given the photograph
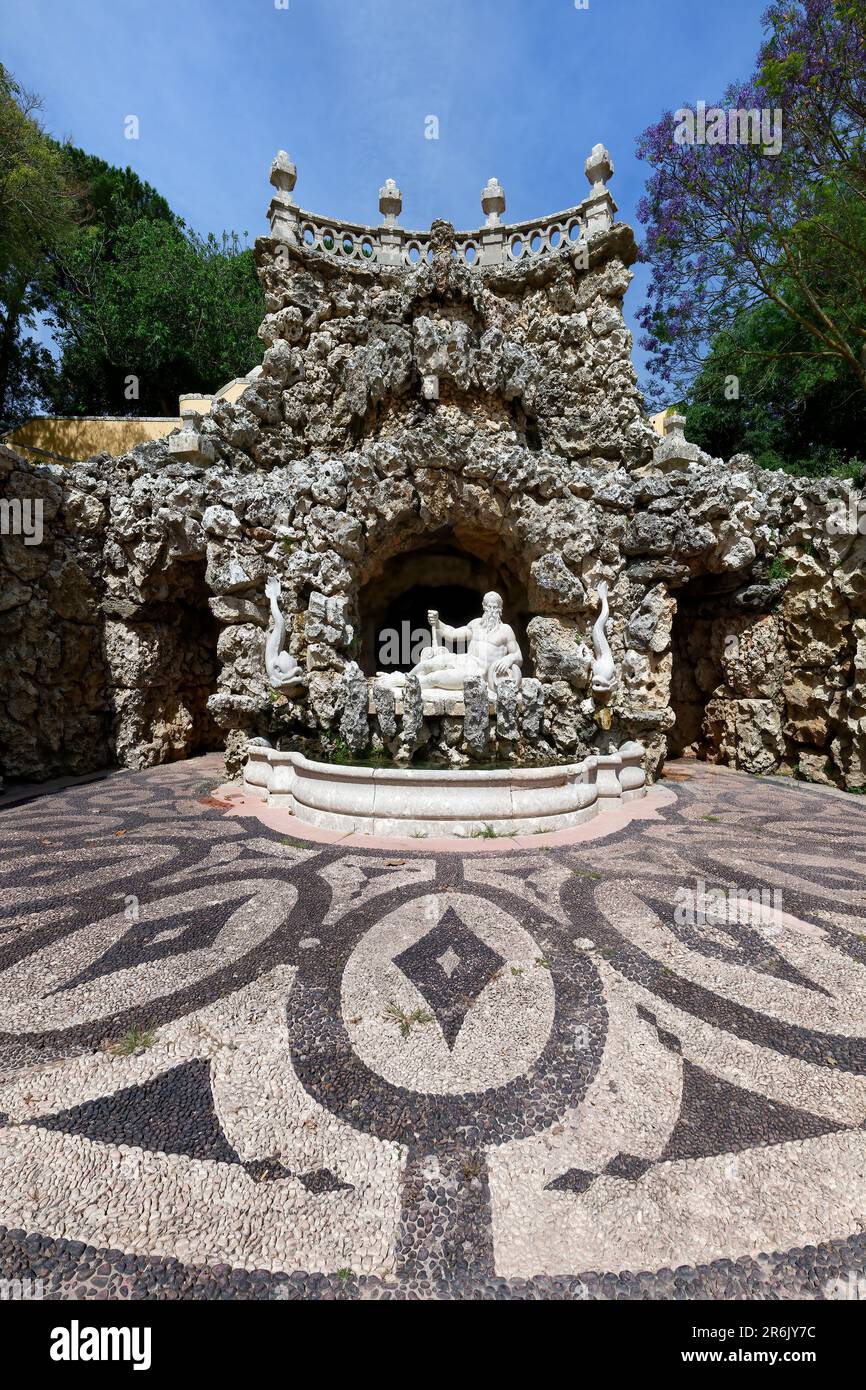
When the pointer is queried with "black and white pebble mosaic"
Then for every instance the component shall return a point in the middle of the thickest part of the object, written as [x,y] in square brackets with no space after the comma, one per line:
[233,1067]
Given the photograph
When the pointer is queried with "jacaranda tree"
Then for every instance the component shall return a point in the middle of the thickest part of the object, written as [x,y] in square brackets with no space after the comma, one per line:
[762,201]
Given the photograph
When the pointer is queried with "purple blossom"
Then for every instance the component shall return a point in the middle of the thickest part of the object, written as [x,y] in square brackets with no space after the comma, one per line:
[718,216]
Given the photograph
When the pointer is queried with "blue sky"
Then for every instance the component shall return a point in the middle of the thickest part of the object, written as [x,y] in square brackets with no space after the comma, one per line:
[521,88]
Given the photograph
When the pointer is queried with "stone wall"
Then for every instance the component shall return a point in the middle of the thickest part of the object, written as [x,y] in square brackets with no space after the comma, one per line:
[493,413]
[53,689]
[773,675]
[108,645]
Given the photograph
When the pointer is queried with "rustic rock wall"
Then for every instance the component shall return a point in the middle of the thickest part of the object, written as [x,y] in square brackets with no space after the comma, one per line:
[493,417]
[53,689]
[107,644]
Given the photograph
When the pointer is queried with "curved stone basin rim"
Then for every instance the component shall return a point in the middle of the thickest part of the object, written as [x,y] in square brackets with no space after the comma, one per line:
[429,801]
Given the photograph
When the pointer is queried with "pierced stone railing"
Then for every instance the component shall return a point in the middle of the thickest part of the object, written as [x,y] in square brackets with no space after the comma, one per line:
[494,244]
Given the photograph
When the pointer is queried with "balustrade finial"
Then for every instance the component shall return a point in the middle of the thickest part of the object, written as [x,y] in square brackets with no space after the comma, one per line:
[493,202]
[599,208]
[390,202]
[282,213]
[598,168]
[284,174]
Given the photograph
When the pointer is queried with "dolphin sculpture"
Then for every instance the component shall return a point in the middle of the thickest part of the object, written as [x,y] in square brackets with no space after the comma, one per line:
[603,668]
[282,669]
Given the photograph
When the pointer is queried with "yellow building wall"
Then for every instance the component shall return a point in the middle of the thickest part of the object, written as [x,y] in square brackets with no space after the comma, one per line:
[53,439]
[57,440]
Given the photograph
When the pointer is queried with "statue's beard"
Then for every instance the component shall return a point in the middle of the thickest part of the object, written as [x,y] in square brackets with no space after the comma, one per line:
[490,619]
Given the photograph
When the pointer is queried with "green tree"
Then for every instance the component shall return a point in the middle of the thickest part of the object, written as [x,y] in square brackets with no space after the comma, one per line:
[36,216]
[142,309]
[149,312]
[107,196]
[762,391]
[735,222]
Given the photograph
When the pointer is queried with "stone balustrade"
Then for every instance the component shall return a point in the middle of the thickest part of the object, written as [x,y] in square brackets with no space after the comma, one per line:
[495,244]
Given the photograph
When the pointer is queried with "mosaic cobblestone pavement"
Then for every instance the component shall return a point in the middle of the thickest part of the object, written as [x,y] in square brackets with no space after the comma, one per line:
[367,1075]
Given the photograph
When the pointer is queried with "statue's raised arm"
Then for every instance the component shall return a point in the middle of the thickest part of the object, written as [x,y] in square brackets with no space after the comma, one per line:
[451,634]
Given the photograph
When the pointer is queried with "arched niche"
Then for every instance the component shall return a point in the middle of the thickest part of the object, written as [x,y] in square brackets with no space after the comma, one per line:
[440,572]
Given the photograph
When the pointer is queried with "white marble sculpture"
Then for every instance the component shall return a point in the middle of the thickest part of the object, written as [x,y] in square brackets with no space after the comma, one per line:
[603,668]
[490,651]
[282,669]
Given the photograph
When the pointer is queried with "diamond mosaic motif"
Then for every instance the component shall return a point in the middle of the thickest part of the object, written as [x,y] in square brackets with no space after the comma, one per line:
[450,967]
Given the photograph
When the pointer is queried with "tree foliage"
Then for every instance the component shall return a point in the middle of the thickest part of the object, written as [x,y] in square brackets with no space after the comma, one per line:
[108,197]
[732,226]
[142,308]
[802,413]
[151,311]
[36,213]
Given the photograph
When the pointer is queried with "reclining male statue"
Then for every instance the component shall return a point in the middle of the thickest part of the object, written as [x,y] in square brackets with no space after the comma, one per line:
[491,652]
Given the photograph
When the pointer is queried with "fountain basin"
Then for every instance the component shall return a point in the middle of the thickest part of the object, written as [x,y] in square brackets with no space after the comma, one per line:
[406,801]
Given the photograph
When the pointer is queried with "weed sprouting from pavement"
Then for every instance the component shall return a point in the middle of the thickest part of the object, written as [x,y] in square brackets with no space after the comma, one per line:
[135,1041]
[404,1021]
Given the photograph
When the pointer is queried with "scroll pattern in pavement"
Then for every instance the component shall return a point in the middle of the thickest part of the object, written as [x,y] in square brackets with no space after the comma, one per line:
[364,1074]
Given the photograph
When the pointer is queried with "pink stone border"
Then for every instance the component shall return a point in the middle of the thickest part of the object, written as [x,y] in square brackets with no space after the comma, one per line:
[236,803]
